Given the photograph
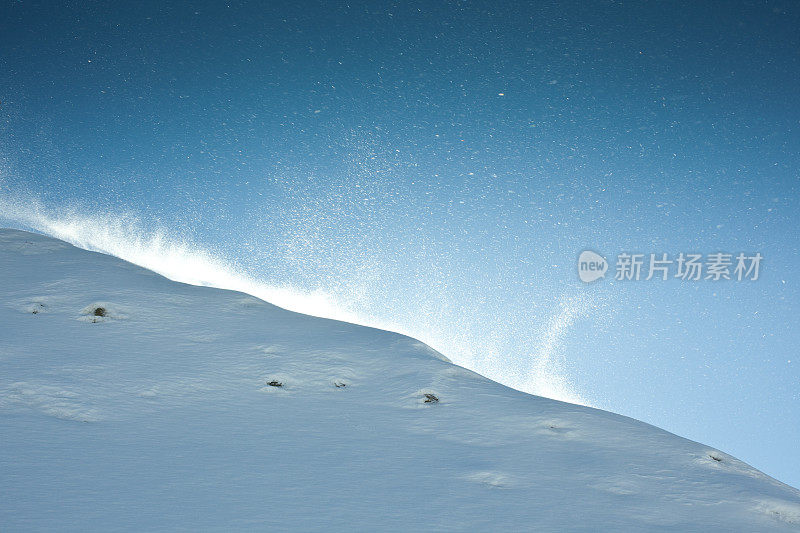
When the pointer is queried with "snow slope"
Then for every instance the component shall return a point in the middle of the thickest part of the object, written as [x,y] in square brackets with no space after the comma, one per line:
[159,416]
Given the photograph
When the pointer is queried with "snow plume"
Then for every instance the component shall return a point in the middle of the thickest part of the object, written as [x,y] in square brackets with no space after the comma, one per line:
[466,340]
[173,256]
[545,375]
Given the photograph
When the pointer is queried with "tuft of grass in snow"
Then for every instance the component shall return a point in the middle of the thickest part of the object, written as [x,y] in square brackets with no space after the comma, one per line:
[431,398]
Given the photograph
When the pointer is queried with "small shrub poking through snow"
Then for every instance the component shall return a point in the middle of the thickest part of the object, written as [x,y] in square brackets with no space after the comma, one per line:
[275,383]
[431,398]
[100,312]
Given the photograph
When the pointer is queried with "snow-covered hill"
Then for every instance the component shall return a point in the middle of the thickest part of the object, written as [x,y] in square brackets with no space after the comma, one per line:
[128,401]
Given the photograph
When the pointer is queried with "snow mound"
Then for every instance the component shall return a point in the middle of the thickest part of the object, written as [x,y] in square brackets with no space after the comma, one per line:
[131,402]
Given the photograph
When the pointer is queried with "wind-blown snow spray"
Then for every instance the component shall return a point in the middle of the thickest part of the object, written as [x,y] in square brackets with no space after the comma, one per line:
[177,257]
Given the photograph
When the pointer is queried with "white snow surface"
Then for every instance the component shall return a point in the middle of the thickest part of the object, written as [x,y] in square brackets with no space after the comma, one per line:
[159,416]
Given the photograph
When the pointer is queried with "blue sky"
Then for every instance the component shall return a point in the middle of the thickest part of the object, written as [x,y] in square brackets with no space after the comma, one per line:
[438,168]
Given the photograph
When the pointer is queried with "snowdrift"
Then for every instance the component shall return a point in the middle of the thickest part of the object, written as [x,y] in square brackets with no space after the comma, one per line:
[131,402]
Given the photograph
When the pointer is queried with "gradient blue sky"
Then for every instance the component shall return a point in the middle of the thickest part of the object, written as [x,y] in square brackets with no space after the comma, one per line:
[440,167]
